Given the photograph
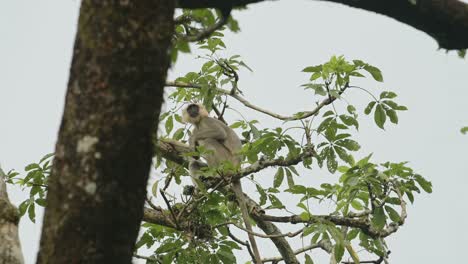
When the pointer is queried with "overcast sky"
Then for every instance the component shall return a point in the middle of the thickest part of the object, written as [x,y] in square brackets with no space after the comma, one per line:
[277,40]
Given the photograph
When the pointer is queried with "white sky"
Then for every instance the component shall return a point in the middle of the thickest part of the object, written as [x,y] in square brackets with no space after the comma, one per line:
[277,40]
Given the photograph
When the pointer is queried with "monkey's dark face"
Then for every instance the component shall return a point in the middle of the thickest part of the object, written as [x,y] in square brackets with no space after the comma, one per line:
[193,110]
[194,113]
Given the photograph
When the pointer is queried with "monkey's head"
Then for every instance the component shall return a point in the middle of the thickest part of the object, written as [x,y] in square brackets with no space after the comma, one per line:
[193,113]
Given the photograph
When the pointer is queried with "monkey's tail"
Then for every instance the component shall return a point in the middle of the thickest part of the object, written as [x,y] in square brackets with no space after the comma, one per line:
[237,188]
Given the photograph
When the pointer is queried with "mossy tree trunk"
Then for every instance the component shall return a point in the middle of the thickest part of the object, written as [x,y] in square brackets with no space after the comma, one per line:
[103,154]
[10,248]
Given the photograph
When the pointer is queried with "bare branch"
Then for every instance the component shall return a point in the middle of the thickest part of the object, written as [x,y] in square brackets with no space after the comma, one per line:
[193,4]
[302,115]
[170,209]
[445,21]
[377,261]
[362,223]
[159,217]
[244,243]
[323,244]
[289,234]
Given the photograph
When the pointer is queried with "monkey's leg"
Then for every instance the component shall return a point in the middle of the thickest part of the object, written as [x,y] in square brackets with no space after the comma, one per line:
[237,189]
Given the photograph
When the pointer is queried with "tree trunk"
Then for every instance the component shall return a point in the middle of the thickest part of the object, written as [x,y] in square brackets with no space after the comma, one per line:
[10,247]
[104,150]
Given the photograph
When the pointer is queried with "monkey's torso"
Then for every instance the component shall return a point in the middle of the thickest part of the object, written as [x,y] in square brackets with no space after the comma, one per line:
[221,141]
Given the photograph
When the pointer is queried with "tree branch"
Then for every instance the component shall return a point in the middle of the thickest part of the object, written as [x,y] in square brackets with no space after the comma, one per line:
[323,244]
[289,234]
[303,115]
[444,20]
[244,243]
[10,247]
[362,223]
[193,4]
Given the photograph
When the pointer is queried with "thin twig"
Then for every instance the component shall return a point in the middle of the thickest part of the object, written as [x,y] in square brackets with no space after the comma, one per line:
[152,205]
[176,222]
[244,243]
[377,261]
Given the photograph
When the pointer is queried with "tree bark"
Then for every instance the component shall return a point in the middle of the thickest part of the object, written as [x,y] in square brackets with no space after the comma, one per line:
[10,247]
[103,155]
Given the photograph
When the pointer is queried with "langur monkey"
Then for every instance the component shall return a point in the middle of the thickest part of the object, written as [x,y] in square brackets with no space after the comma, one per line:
[222,144]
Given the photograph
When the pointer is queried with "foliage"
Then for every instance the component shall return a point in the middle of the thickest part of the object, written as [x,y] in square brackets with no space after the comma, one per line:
[36,181]
[368,198]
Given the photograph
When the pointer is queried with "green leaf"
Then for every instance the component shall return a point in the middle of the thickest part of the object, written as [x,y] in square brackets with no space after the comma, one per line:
[179,134]
[226,256]
[378,218]
[290,178]
[344,155]
[375,72]
[169,124]
[41,202]
[393,116]
[312,68]
[293,169]
[279,176]
[332,164]
[379,116]
[315,76]
[339,252]
[394,216]
[308,259]
[263,195]
[32,212]
[167,247]
[391,104]
[364,160]
[351,109]
[348,144]
[23,207]
[154,189]
[241,63]
[425,184]
[357,205]
[387,94]
[46,157]
[369,107]
[207,65]
[275,202]
[32,166]
[402,108]
[464,130]
[352,234]
[145,239]
[349,121]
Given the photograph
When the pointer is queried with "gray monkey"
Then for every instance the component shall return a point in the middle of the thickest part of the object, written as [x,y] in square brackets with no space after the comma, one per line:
[222,144]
